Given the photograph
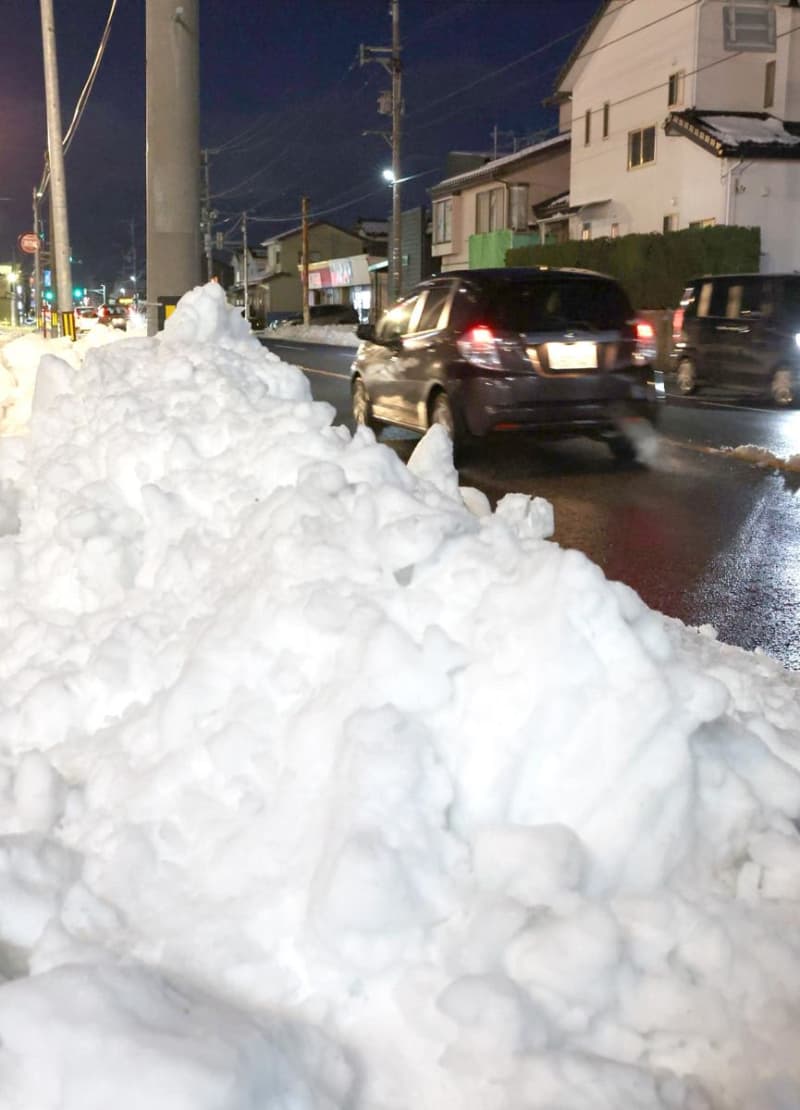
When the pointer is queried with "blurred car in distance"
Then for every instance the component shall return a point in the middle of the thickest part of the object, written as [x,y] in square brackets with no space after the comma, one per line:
[327,314]
[113,315]
[85,317]
[482,351]
[739,333]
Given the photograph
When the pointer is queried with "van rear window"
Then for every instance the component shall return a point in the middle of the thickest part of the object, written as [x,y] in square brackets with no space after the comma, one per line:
[558,304]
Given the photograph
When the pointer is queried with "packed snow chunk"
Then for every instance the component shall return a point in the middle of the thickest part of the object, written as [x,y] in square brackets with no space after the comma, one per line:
[204,316]
[83,1038]
[432,460]
[531,864]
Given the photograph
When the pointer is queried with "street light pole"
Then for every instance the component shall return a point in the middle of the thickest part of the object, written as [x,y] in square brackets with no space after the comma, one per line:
[397,108]
[55,153]
[389,58]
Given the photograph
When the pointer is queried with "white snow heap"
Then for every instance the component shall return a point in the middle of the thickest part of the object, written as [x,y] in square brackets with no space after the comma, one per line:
[318,789]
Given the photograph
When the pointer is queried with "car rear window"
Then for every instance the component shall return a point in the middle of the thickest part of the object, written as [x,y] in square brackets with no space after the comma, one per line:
[791,299]
[554,305]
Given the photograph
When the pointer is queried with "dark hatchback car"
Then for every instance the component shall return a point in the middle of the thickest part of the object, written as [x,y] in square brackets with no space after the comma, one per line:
[740,333]
[483,351]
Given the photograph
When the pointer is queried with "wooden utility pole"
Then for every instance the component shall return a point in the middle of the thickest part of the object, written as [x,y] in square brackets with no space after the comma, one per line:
[306,309]
[207,218]
[173,153]
[37,261]
[55,153]
[245,269]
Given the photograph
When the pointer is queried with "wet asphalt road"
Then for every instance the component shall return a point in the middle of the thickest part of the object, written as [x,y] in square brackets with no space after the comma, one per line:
[699,534]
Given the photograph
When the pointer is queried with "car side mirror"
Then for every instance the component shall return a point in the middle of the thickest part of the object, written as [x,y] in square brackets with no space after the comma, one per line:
[366,332]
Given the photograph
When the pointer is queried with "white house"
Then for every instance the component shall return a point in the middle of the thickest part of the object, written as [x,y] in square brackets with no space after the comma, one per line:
[479,214]
[686,115]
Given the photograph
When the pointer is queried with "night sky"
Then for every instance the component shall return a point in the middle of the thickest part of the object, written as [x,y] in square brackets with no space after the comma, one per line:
[285,102]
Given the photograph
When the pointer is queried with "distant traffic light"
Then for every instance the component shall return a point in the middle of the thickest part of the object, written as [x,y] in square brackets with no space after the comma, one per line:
[78,293]
[48,294]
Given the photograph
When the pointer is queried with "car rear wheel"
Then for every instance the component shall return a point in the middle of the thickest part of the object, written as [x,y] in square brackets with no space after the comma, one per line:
[362,407]
[686,376]
[781,387]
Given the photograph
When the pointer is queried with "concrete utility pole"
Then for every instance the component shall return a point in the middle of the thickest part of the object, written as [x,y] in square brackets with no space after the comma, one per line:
[304,271]
[173,153]
[389,58]
[55,153]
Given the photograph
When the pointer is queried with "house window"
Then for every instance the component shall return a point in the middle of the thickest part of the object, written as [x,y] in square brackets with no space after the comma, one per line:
[703,223]
[675,89]
[518,207]
[587,127]
[615,231]
[586,232]
[641,147]
[489,210]
[443,220]
[670,222]
[769,84]
[606,118]
[748,27]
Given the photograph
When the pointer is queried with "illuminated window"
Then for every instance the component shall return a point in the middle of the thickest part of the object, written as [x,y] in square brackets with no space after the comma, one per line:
[586,232]
[489,210]
[615,231]
[641,147]
[443,220]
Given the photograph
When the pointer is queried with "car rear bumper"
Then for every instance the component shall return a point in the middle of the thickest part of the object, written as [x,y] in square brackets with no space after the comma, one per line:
[577,403]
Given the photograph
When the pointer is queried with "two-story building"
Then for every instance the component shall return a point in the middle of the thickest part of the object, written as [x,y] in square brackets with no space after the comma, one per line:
[479,214]
[275,287]
[686,115]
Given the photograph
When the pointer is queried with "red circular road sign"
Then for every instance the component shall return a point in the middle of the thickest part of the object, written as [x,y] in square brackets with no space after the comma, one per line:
[29,242]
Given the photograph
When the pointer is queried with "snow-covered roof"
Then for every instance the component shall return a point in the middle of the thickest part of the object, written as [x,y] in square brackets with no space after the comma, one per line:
[489,170]
[738,134]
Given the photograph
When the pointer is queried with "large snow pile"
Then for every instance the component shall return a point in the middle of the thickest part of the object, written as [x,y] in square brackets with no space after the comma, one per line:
[319,789]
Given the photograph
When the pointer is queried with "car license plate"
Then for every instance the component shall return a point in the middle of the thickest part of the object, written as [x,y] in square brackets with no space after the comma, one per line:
[572,356]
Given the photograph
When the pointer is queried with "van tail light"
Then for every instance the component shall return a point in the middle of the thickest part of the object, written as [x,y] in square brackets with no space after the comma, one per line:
[481,347]
[677,323]
[645,341]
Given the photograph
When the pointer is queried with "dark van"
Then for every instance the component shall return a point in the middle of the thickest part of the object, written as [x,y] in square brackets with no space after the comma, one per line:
[740,333]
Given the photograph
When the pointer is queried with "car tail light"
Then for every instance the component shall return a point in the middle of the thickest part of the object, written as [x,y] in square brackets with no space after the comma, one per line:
[677,322]
[481,347]
[645,341]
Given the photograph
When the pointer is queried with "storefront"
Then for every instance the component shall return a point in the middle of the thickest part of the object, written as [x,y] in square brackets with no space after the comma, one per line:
[342,281]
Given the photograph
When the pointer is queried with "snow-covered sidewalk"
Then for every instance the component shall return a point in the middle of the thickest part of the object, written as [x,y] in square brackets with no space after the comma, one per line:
[323,786]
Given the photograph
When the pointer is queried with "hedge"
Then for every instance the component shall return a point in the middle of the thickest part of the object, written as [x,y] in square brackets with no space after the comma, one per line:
[654,268]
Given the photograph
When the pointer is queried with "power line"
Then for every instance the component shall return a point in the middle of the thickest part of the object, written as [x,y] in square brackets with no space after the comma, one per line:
[85,93]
